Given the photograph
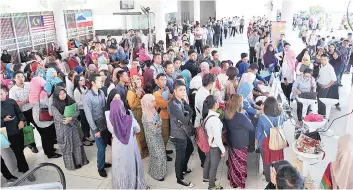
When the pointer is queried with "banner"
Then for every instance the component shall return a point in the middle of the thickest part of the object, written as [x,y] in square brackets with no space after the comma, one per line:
[84,19]
[277,28]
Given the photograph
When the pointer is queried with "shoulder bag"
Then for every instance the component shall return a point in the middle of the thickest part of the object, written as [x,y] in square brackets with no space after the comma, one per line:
[277,138]
[44,112]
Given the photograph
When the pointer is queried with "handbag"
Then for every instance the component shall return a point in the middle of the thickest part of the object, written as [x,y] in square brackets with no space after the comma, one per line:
[28,135]
[101,124]
[277,138]
[202,138]
[309,145]
[5,143]
[44,112]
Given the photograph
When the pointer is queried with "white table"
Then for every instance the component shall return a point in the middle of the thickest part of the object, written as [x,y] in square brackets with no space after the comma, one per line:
[306,158]
[313,126]
[329,103]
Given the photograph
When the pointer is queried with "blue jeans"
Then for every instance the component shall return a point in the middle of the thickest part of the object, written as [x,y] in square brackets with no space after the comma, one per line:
[101,145]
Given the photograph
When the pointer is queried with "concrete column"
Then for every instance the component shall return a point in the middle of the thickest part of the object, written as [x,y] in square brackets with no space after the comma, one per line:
[287,13]
[197,11]
[160,22]
[60,28]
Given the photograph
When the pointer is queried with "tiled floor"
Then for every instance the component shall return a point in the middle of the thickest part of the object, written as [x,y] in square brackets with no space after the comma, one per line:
[87,177]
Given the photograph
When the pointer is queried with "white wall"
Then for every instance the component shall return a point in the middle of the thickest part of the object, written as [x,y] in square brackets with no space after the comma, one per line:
[247,8]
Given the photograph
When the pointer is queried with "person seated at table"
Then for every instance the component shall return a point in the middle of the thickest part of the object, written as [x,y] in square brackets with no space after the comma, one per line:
[338,174]
[304,83]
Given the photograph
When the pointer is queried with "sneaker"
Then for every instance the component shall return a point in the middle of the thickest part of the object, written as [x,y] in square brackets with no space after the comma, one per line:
[207,180]
[107,165]
[185,183]
[217,187]
[87,143]
[34,149]
[169,159]
[12,179]
[187,171]
[55,155]
[90,139]
[169,151]
[31,178]
[102,173]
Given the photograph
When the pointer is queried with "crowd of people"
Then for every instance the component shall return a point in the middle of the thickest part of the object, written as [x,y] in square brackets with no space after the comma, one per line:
[137,103]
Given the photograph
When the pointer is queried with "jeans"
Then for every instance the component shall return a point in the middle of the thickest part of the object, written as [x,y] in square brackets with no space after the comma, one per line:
[348,67]
[225,33]
[183,149]
[101,145]
[234,29]
[211,164]
[321,93]
[252,55]
[17,146]
[216,39]
[198,46]
[241,29]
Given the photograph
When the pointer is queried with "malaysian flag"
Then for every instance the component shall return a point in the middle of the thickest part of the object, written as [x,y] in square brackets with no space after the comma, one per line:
[42,23]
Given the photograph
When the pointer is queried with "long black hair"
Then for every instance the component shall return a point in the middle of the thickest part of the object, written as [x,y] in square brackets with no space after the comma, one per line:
[108,80]
[76,83]
[208,104]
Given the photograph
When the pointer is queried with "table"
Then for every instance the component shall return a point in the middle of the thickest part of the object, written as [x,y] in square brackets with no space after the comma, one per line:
[313,126]
[306,158]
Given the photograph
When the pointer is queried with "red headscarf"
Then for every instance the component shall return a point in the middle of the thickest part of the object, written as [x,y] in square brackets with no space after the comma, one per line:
[34,67]
[135,71]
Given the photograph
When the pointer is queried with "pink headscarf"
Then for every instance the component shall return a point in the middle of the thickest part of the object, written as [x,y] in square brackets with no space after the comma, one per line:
[148,109]
[342,168]
[216,71]
[289,57]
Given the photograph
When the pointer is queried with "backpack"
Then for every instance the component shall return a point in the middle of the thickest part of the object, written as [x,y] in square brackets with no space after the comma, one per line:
[202,138]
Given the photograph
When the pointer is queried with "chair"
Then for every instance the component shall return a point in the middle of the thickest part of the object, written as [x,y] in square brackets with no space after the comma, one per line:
[329,102]
[306,103]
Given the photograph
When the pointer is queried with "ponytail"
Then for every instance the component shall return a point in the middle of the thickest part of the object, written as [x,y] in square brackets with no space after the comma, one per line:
[208,104]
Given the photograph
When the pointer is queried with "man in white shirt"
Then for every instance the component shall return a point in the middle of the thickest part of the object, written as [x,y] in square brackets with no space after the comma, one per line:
[196,82]
[156,66]
[312,41]
[208,81]
[327,77]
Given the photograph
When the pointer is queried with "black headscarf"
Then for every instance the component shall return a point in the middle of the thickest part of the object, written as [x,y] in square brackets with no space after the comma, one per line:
[5,58]
[61,104]
[110,98]
[301,55]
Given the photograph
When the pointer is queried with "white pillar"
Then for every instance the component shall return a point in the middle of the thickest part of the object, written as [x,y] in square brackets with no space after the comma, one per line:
[160,22]
[287,13]
[197,12]
[60,28]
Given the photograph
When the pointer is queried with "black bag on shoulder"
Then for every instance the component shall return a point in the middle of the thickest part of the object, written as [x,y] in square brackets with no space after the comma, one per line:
[101,124]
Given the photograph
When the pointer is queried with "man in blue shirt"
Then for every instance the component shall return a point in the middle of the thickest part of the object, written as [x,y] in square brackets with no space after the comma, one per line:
[280,44]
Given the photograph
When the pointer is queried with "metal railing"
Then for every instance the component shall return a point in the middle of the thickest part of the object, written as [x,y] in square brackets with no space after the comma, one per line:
[31,171]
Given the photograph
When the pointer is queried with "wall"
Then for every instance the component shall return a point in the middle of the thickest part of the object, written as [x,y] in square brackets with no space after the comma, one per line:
[227,8]
[187,10]
[208,9]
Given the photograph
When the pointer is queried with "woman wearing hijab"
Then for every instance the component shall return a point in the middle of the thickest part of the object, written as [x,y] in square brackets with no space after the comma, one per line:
[67,131]
[5,57]
[187,77]
[134,95]
[301,55]
[304,64]
[52,79]
[127,169]
[136,70]
[152,124]
[9,71]
[122,55]
[248,104]
[91,69]
[269,58]
[338,174]
[337,64]
[287,70]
